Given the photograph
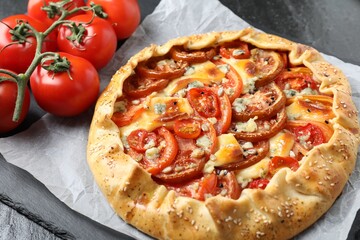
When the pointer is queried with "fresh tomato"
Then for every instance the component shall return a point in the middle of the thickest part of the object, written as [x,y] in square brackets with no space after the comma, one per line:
[205,102]
[140,138]
[66,93]
[155,163]
[187,128]
[264,103]
[236,49]
[135,86]
[161,68]
[195,56]
[278,162]
[259,183]
[8,94]
[297,79]
[93,39]
[43,11]
[18,44]
[124,15]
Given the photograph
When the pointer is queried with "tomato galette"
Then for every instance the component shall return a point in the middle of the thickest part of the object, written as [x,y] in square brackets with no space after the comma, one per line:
[230,135]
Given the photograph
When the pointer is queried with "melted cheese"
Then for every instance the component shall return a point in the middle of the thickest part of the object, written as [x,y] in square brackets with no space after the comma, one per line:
[247,78]
[298,111]
[229,150]
[206,73]
[157,107]
[281,144]
[257,170]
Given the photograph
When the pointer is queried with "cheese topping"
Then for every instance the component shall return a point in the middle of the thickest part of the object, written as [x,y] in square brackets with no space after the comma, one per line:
[228,150]
[158,107]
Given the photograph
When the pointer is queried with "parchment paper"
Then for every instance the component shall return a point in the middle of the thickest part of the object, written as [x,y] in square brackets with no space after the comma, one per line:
[54,149]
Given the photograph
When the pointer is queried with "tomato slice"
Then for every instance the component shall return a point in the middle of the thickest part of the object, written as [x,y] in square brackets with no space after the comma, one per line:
[211,184]
[137,87]
[129,113]
[187,128]
[233,84]
[140,140]
[162,155]
[227,185]
[252,155]
[235,49]
[297,79]
[224,120]
[308,135]
[195,56]
[278,162]
[186,166]
[160,68]
[259,183]
[205,102]
[264,103]
[265,65]
[262,129]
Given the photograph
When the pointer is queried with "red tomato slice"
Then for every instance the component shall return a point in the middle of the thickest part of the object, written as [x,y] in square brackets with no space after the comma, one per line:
[265,128]
[137,87]
[185,166]
[126,117]
[207,185]
[259,183]
[160,68]
[228,186]
[233,86]
[264,103]
[265,65]
[205,102]
[236,49]
[224,121]
[138,139]
[278,162]
[187,128]
[195,56]
[297,79]
[166,154]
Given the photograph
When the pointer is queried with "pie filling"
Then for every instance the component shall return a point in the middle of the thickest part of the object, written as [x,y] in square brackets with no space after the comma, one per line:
[216,121]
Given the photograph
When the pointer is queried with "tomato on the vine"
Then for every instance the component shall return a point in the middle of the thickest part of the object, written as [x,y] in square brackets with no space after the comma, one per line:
[67,93]
[8,93]
[91,38]
[41,10]
[18,43]
[124,15]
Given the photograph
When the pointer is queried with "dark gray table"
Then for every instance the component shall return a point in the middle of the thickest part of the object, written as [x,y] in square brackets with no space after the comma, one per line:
[29,211]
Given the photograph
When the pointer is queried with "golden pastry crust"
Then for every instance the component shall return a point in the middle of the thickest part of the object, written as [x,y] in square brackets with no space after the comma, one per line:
[291,202]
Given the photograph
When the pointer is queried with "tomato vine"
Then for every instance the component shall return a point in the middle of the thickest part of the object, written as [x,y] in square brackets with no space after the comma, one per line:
[20,33]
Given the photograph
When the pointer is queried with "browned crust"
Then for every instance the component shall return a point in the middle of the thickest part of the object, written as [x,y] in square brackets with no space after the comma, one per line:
[291,202]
